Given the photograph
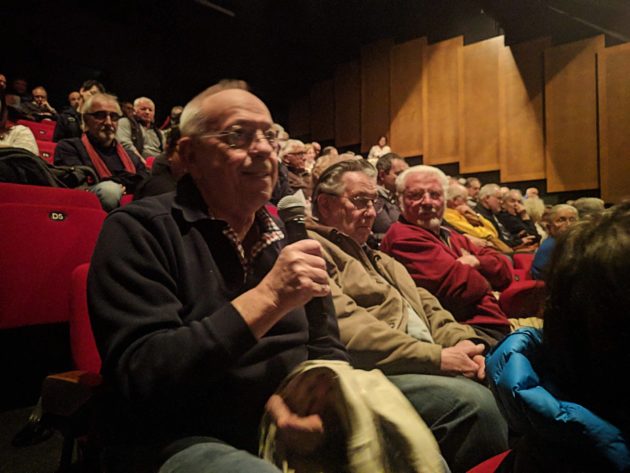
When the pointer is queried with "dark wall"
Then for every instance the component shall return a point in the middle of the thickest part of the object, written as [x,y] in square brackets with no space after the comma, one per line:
[171,49]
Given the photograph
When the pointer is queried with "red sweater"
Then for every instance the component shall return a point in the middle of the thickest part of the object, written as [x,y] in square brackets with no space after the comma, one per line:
[433,265]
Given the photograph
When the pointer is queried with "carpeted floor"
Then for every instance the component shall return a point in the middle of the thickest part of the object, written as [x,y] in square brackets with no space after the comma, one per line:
[41,458]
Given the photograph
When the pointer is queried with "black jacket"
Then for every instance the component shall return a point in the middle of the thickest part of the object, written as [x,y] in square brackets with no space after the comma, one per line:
[178,355]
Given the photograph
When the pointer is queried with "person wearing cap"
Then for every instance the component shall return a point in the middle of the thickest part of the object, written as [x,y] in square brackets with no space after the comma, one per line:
[388,323]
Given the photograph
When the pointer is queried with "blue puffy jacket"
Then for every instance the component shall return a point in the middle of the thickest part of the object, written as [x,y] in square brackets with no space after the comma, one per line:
[555,435]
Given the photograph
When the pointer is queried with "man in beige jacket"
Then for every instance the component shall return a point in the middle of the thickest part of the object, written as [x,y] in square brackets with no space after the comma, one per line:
[386,322]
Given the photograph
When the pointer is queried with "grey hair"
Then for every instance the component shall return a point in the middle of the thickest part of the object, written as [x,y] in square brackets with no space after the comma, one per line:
[329,181]
[143,99]
[535,209]
[384,163]
[401,180]
[109,98]
[193,121]
[470,180]
[589,206]
[488,190]
[456,190]
[290,146]
[560,207]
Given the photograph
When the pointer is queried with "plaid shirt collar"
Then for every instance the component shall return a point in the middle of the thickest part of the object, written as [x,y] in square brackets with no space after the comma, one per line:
[269,234]
[189,201]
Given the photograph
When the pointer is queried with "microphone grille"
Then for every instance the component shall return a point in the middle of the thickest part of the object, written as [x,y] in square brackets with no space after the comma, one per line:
[291,207]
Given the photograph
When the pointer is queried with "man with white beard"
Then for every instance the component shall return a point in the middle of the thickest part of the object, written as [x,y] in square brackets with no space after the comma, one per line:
[461,275]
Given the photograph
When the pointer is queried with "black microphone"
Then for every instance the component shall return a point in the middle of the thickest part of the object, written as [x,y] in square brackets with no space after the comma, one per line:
[292,212]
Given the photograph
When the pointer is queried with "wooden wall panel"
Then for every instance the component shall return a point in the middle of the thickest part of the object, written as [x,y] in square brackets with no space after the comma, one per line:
[522,156]
[614,122]
[406,95]
[443,131]
[323,111]
[571,115]
[482,106]
[347,104]
[299,117]
[374,92]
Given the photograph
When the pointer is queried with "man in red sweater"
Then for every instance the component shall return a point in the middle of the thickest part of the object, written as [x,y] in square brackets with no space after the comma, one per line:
[461,275]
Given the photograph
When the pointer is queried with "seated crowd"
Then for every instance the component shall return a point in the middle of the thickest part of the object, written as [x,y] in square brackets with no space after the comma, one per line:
[200,307]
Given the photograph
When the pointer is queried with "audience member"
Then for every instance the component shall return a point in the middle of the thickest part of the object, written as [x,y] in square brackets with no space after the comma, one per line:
[17,95]
[515,219]
[388,323]
[378,150]
[330,150]
[127,110]
[561,217]
[139,135]
[12,135]
[446,263]
[489,206]
[535,208]
[472,186]
[388,167]
[88,88]
[69,123]
[589,207]
[3,84]
[213,317]
[309,157]
[119,172]
[167,169]
[560,389]
[282,187]
[532,193]
[471,224]
[293,156]
[69,119]
[38,109]
[317,148]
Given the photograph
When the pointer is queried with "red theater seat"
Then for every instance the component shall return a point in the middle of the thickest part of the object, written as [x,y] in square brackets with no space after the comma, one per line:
[43,131]
[47,150]
[490,465]
[41,245]
[83,346]
[523,299]
[26,194]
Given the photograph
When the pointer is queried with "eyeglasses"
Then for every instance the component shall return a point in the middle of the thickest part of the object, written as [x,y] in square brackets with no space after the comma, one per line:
[362,203]
[242,138]
[418,196]
[300,154]
[102,115]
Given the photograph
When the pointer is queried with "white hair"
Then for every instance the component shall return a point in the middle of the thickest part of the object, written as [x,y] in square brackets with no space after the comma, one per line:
[401,180]
[143,99]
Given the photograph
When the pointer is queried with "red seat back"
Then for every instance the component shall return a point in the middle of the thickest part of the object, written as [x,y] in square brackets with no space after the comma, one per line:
[523,299]
[523,261]
[43,131]
[82,343]
[26,194]
[41,244]
[47,150]
[491,464]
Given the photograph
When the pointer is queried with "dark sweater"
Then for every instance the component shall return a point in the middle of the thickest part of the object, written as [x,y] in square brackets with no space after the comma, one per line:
[71,152]
[178,356]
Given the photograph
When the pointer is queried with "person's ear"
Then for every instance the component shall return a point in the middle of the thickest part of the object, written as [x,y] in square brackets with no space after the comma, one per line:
[187,155]
[324,206]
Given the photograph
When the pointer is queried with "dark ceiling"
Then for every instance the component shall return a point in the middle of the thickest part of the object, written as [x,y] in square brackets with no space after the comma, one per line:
[171,49]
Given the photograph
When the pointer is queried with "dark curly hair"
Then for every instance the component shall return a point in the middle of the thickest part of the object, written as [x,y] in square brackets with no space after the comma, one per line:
[586,337]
